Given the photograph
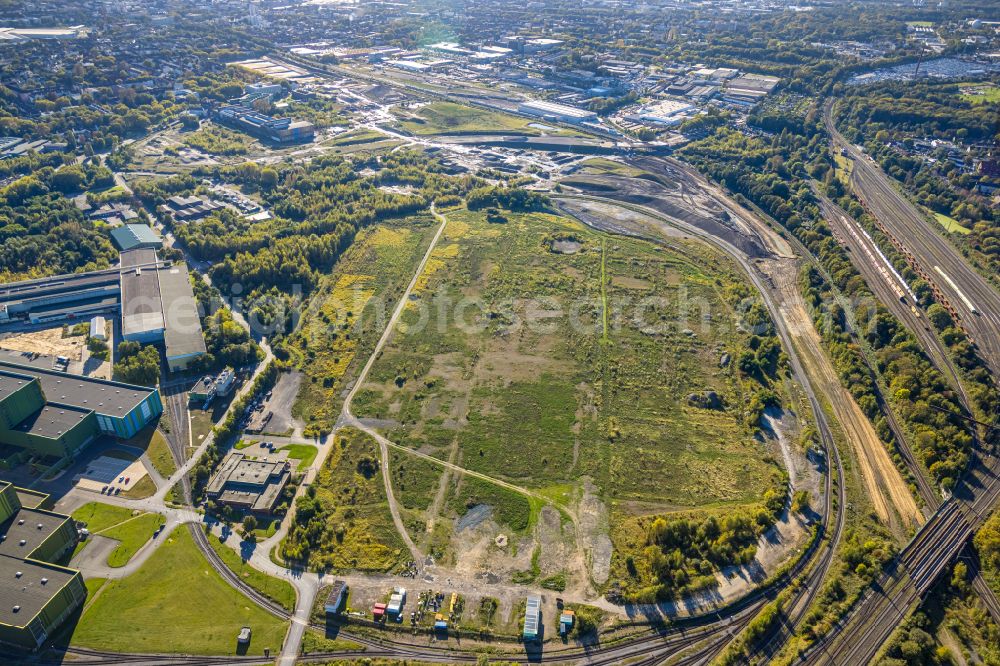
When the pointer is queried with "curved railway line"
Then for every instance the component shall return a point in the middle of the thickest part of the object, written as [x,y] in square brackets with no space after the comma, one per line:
[863,631]
[692,640]
[809,588]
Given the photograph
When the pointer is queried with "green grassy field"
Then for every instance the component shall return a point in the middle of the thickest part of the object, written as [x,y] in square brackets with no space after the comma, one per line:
[142,489]
[133,535]
[451,118]
[99,516]
[217,140]
[355,137]
[131,530]
[355,527]
[951,225]
[273,588]
[545,404]
[304,453]
[175,603]
[982,93]
[152,441]
[345,318]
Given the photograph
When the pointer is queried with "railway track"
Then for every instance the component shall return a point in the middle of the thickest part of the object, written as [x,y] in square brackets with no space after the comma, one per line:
[921,241]
[859,637]
[809,588]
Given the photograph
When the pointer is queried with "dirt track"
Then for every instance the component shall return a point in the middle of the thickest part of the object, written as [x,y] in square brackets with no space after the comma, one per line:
[883,482]
[890,495]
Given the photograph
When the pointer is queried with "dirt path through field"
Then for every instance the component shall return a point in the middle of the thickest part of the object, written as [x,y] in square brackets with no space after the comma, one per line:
[885,485]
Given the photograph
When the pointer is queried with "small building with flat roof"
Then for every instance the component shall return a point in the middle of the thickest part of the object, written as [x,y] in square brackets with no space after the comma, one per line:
[249,484]
[336,598]
[532,617]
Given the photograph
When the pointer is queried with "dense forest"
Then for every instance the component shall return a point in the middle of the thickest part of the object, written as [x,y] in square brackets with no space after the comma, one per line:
[318,207]
[43,233]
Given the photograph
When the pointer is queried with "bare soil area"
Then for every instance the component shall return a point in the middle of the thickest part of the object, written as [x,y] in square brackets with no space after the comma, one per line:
[49,342]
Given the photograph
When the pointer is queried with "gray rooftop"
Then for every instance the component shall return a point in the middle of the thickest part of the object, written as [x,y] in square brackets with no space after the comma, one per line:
[28,584]
[11,382]
[53,420]
[28,591]
[24,526]
[182,334]
[15,292]
[141,308]
[254,484]
[131,236]
[102,396]
[140,256]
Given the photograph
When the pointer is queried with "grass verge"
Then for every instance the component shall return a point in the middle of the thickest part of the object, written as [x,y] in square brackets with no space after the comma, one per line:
[176,604]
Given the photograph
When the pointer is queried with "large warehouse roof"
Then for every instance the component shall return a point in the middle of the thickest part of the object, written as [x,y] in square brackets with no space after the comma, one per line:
[182,335]
[100,395]
[32,526]
[131,236]
[11,382]
[140,256]
[28,593]
[27,585]
[551,108]
[53,420]
[141,308]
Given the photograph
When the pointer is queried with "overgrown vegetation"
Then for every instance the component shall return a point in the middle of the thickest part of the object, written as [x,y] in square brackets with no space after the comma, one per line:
[217,140]
[597,402]
[343,522]
[137,364]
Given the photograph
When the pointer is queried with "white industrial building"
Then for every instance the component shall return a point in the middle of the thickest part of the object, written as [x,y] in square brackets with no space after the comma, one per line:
[665,112]
[556,112]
